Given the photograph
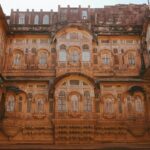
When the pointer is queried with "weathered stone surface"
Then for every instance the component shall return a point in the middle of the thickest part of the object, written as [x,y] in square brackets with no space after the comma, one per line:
[77,78]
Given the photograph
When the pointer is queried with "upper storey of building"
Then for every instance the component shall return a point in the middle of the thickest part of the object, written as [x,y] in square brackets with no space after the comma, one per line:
[100,42]
[123,19]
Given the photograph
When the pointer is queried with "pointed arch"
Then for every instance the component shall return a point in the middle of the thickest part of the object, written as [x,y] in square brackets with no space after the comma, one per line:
[36,20]
[45,19]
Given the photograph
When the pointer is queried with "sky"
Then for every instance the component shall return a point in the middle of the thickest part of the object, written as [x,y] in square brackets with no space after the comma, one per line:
[7,5]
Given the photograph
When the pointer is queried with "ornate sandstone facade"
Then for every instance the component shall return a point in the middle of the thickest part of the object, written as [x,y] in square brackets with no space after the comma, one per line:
[79,76]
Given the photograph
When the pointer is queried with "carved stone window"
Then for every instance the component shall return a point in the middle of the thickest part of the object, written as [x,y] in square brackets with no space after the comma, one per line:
[36,20]
[10,105]
[84,14]
[74,56]
[131,60]
[40,106]
[62,55]
[109,106]
[129,104]
[62,101]
[86,53]
[17,59]
[106,59]
[43,59]
[87,102]
[138,104]
[46,19]
[74,103]
[21,19]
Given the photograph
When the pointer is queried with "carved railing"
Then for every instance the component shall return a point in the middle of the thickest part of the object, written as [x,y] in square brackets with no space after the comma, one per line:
[30,67]
[30,28]
[71,64]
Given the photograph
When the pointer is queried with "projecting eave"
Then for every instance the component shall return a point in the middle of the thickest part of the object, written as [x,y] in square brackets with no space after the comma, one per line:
[118,30]
[118,34]
[121,80]
[97,79]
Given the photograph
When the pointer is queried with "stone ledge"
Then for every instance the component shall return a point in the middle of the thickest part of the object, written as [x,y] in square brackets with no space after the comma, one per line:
[102,146]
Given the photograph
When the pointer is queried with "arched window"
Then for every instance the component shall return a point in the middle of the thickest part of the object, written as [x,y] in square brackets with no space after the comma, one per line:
[21,18]
[131,60]
[74,103]
[36,19]
[87,102]
[74,56]
[20,104]
[84,14]
[43,59]
[46,19]
[106,59]
[40,106]
[62,55]
[138,104]
[10,105]
[62,101]
[129,104]
[109,106]
[17,59]
[85,53]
